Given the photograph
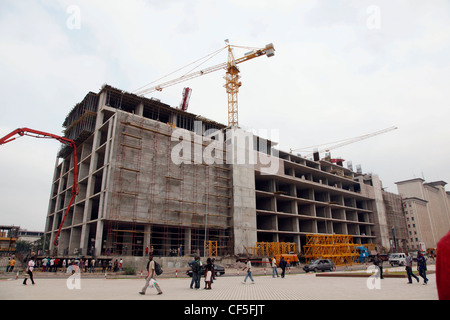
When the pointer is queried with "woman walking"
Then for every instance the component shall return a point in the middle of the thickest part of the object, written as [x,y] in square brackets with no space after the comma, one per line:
[29,271]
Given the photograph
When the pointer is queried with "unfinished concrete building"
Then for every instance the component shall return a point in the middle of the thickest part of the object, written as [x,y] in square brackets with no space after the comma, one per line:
[311,197]
[152,176]
[132,195]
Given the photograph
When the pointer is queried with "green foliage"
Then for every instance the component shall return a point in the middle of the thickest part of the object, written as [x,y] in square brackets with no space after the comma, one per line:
[130,271]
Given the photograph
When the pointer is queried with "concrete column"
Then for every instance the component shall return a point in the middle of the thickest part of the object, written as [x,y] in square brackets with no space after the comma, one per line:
[240,156]
[140,109]
[147,237]
[98,238]
[84,239]
[187,241]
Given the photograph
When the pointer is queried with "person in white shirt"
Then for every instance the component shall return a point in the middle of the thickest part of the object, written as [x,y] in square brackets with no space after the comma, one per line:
[52,264]
[274,268]
[29,271]
[249,271]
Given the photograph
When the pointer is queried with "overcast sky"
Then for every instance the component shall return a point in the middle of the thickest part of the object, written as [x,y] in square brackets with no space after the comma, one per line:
[341,69]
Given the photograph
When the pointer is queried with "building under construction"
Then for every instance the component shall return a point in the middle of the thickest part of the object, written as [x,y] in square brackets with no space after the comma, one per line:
[152,176]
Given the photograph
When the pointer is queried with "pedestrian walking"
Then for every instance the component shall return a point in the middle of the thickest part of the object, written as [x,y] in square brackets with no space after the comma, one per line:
[48,264]
[283,265]
[12,263]
[408,263]
[274,268]
[56,264]
[92,266]
[196,267]
[44,264]
[248,266]
[51,265]
[213,262]
[150,279]
[379,263]
[422,267]
[209,274]
[29,271]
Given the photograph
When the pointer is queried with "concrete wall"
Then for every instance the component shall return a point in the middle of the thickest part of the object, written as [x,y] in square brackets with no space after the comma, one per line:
[240,154]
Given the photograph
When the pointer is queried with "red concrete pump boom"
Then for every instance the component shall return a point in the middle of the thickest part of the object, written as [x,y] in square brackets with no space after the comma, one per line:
[39,134]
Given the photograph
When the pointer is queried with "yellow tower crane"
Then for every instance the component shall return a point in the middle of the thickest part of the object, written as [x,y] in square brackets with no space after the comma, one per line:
[232,76]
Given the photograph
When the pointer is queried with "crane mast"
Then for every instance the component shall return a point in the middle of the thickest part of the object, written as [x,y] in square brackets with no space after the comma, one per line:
[232,85]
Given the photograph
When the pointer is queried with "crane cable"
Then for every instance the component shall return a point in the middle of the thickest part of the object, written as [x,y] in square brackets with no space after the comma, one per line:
[207,57]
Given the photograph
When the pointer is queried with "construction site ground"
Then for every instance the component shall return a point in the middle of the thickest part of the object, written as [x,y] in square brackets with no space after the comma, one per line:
[175,284]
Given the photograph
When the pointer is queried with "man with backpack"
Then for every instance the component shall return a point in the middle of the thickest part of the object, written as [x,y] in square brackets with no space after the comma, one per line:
[196,272]
[153,269]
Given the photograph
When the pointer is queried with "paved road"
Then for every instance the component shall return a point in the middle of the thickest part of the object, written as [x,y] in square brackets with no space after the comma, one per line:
[293,287]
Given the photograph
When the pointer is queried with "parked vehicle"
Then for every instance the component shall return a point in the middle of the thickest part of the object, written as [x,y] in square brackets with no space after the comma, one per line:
[320,264]
[397,259]
[218,270]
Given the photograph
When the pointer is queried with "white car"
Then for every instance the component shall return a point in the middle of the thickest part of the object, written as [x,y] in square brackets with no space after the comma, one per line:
[397,259]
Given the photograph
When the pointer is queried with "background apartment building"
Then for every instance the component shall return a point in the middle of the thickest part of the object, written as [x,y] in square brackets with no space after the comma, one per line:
[427,211]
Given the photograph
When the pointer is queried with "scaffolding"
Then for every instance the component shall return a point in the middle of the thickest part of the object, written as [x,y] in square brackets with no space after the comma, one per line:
[271,249]
[80,122]
[8,239]
[337,247]
[176,209]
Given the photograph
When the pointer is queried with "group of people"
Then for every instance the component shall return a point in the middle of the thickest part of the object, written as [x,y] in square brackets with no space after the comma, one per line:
[197,270]
[421,267]
[283,264]
[88,265]
[207,271]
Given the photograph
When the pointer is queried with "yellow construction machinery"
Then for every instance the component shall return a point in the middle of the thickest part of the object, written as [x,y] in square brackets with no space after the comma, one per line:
[271,249]
[337,247]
